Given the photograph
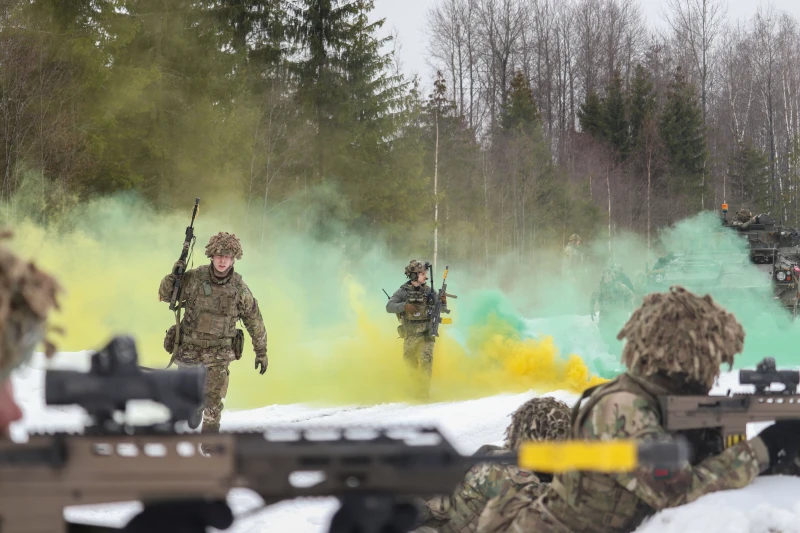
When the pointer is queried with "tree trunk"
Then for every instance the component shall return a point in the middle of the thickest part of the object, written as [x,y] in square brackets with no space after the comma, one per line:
[436,194]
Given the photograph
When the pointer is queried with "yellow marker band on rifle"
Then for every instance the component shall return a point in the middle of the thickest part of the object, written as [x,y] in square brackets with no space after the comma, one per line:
[447,321]
[596,456]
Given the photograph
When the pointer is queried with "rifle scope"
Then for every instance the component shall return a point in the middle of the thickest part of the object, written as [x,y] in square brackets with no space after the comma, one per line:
[766,374]
[116,378]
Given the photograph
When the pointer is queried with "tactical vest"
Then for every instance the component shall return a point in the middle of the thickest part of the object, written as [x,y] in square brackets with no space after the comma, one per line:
[594,502]
[419,299]
[212,308]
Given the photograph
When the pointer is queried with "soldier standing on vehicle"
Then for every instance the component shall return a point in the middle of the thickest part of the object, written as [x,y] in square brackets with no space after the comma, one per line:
[539,419]
[215,298]
[676,343]
[412,303]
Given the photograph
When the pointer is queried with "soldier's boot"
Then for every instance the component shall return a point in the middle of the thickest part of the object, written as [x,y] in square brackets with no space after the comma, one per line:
[207,449]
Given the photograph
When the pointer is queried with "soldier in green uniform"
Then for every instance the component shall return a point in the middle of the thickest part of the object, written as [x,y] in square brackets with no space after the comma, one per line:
[538,419]
[676,343]
[411,303]
[215,298]
[615,300]
[743,219]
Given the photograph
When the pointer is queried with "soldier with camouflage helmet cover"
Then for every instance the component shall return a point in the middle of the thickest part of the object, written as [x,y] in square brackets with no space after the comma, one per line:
[411,303]
[215,298]
[676,342]
[539,419]
[743,219]
[27,295]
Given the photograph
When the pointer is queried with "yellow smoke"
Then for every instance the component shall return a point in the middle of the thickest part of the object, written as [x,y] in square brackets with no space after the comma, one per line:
[329,338]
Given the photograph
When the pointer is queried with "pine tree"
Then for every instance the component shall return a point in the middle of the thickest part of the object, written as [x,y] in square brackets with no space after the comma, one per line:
[681,128]
[591,115]
[642,104]
[520,112]
[615,125]
[750,177]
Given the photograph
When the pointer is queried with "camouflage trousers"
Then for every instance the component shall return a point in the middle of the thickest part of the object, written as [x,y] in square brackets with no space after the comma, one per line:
[459,512]
[216,360]
[521,511]
[418,355]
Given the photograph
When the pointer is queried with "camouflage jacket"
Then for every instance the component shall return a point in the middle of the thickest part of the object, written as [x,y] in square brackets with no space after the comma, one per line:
[573,257]
[415,322]
[459,512]
[612,297]
[744,225]
[588,502]
[213,305]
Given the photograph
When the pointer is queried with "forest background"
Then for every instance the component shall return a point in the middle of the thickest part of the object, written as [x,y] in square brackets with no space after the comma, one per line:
[547,117]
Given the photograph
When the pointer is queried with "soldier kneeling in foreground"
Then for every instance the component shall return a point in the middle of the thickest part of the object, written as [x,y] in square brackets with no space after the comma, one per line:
[538,419]
[676,342]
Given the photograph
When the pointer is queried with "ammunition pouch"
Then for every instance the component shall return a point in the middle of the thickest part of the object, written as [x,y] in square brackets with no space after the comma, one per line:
[238,344]
[169,340]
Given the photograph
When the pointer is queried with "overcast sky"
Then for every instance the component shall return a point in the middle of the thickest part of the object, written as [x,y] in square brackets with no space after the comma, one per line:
[407,18]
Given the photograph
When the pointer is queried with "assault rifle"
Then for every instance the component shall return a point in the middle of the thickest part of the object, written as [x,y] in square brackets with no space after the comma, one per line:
[730,414]
[437,307]
[373,472]
[180,268]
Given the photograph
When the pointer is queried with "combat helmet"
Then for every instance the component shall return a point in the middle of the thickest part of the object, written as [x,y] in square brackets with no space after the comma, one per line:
[224,243]
[743,215]
[574,238]
[26,297]
[681,335]
[537,420]
[415,267]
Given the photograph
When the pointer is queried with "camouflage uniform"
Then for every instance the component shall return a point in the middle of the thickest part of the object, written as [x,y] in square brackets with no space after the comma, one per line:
[536,420]
[573,257]
[676,343]
[411,305]
[743,219]
[213,305]
[27,295]
[614,299]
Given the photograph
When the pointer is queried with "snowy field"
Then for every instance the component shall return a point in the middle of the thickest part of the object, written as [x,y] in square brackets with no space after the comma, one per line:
[770,505]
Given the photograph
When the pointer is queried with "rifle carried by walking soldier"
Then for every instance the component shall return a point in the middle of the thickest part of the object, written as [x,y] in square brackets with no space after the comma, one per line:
[178,271]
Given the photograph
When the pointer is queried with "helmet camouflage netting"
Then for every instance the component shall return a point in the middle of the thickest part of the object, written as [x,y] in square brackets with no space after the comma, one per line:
[26,297]
[537,420]
[574,237]
[680,333]
[415,267]
[743,215]
[224,243]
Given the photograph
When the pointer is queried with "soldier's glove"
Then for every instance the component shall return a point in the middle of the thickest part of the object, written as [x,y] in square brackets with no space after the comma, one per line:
[179,266]
[263,362]
[444,299]
[410,308]
[782,440]
[184,516]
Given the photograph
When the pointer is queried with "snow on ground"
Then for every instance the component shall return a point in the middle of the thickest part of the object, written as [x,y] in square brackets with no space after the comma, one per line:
[770,505]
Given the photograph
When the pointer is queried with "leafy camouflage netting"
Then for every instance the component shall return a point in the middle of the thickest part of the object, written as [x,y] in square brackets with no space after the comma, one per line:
[224,243]
[678,332]
[26,297]
[537,420]
[743,215]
